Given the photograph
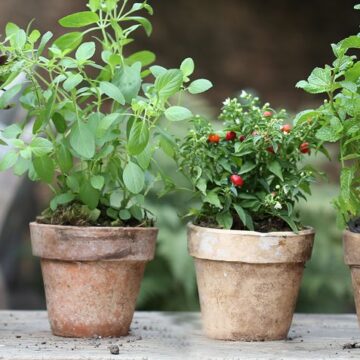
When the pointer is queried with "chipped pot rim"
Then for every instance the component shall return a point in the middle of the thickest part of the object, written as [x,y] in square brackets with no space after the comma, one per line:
[95,228]
[308,230]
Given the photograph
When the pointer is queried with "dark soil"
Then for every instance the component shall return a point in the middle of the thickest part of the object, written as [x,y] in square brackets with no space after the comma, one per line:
[263,225]
[73,215]
[354,225]
[355,345]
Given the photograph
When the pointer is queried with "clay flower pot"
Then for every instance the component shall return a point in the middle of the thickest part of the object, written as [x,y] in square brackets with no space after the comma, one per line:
[248,281]
[92,276]
[352,259]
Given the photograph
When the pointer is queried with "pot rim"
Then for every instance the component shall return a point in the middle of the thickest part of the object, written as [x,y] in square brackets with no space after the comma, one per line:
[106,228]
[308,230]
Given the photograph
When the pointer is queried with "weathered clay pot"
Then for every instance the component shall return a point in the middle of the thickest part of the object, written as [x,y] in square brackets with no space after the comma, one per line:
[352,259]
[92,276]
[248,281]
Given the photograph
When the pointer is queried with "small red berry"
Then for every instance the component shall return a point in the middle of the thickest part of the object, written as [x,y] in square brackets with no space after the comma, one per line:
[270,150]
[230,136]
[214,138]
[237,180]
[305,148]
[242,138]
[267,114]
[286,128]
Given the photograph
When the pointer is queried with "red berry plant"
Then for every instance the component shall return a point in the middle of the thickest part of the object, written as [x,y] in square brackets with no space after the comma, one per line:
[250,174]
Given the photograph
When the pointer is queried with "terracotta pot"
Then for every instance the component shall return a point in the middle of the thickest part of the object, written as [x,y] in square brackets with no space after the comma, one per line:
[248,281]
[352,259]
[92,276]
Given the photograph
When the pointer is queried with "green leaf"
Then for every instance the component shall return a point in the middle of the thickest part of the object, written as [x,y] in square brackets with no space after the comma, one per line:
[61,199]
[8,95]
[82,140]
[89,196]
[72,81]
[125,214]
[275,168]
[178,113]
[68,42]
[168,83]
[134,178]
[8,161]
[138,137]
[244,217]
[79,19]
[59,122]
[45,168]
[145,157]
[212,198]
[346,180]
[116,199]
[200,86]
[319,81]
[12,131]
[21,166]
[64,158]
[95,5]
[41,146]
[187,67]
[85,51]
[351,42]
[97,182]
[304,116]
[44,40]
[225,220]
[145,23]
[144,57]
[157,70]
[112,92]
[247,167]
[202,185]
[128,80]
[290,222]
[332,132]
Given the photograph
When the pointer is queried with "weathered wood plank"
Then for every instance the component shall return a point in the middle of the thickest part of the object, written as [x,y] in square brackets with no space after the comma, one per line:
[157,336]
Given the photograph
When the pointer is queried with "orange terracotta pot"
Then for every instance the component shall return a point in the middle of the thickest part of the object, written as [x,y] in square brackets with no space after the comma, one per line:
[352,259]
[92,276]
[248,281]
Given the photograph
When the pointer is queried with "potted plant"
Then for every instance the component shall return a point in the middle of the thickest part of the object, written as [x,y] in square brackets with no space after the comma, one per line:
[248,244]
[338,122]
[94,134]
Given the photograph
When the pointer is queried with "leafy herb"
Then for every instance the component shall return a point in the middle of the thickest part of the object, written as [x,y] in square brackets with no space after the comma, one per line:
[95,126]
[249,173]
[338,119]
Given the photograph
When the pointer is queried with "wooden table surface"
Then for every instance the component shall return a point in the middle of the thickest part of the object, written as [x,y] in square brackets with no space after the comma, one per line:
[157,336]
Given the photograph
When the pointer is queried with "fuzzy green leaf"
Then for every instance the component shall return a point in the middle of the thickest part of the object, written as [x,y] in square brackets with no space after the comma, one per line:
[178,113]
[134,178]
[82,140]
[112,92]
[200,86]
[79,19]
[45,168]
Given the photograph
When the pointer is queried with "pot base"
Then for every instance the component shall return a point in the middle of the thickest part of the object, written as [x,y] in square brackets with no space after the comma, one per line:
[247,302]
[89,299]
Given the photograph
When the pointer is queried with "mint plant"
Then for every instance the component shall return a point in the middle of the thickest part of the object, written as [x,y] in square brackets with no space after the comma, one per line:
[249,175]
[337,120]
[94,124]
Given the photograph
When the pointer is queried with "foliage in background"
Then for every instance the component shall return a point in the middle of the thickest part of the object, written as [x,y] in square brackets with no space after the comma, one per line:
[249,176]
[338,120]
[96,124]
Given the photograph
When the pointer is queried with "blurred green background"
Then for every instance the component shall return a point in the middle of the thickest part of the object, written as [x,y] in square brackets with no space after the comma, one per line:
[238,44]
